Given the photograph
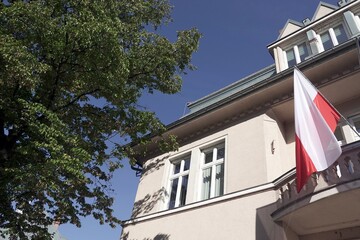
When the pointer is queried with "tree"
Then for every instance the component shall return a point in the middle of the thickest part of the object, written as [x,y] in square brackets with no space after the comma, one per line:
[71,73]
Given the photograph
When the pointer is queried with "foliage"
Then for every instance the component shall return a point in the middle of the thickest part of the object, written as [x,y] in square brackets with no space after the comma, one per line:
[71,73]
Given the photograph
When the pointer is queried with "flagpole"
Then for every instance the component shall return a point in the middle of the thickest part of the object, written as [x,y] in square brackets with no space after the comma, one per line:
[351,126]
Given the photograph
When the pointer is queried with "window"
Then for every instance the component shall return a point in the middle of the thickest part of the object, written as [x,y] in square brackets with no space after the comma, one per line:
[326,41]
[333,37]
[340,34]
[290,56]
[297,54]
[355,121]
[178,182]
[339,135]
[196,174]
[303,51]
[212,162]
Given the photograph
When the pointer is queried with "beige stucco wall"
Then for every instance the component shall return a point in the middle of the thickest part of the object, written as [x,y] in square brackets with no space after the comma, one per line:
[257,152]
[279,147]
[246,153]
[246,217]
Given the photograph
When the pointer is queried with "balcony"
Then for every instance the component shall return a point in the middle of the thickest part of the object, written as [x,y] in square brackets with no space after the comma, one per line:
[329,201]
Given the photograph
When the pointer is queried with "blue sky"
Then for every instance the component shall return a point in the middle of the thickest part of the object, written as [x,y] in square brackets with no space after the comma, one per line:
[234,45]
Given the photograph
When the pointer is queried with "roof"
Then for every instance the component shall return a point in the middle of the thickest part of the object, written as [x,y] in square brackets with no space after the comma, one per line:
[244,83]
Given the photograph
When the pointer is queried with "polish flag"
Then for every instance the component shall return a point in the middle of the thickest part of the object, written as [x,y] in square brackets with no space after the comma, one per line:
[315,121]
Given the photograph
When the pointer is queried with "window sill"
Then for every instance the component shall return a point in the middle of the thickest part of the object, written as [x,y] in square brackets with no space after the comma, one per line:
[204,203]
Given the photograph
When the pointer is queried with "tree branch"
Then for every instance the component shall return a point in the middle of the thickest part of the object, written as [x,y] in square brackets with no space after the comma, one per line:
[58,73]
[76,99]
[144,73]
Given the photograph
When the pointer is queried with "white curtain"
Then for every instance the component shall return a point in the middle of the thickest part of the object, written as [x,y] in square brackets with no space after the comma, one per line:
[183,191]
[205,193]
[219,180]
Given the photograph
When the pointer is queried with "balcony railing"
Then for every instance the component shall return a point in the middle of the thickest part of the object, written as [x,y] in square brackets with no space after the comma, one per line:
[346,169]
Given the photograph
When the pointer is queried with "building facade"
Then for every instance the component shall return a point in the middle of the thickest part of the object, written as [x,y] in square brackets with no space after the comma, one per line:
[233,176]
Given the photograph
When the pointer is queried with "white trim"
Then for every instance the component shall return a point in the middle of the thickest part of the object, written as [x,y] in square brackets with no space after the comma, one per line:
[282,64]
[225,165]
[352,23]
[320,43]
[285,61]
[333,37]
[179,176]
[297,55]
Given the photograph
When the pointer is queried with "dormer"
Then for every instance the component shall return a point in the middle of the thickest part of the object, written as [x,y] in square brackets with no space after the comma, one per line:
[329,27]
[322,10]
[290,27]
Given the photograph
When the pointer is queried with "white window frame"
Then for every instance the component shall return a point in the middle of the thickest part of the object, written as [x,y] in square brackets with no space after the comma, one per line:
[178,176]
[215,162]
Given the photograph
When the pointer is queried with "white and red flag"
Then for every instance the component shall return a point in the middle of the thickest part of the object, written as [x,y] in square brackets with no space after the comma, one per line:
[315,121]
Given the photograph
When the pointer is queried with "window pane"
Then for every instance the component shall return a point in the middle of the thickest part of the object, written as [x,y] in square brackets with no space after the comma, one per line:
[174,186]
[357,124]
[205,191]
[183,190]
[208,157]
[338,134]
[186,164]
[303,51]
[220,153]
[290,55]
[219,180]
[326,41]
[177,167]
[340,34]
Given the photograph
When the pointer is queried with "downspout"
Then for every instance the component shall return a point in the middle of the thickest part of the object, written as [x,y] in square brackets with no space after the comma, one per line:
[138,170]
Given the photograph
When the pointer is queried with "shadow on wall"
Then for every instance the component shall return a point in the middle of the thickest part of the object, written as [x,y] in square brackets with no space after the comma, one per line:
[159,236]
[153,166]
[146,204]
